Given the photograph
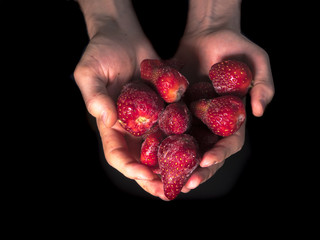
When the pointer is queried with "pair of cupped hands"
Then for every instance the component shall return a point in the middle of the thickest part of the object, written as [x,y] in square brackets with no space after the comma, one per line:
[112,58]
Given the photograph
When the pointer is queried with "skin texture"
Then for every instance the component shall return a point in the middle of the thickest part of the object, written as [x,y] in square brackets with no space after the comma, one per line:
[112,58]
[212,35]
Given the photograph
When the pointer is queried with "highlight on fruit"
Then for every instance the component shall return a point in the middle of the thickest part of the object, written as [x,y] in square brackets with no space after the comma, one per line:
[179,121]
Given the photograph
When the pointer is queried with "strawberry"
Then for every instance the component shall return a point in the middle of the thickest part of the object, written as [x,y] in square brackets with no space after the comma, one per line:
[169,82]
[171,85]
[150,69]
[231,77]
[175,119]
[149,148]
[199,90]
[153,129]
[178,157]
[138,108]
[223,115]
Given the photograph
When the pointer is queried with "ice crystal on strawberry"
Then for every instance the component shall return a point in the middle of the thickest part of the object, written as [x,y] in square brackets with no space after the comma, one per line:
[175,138]
[178,158]
[138,108]
[231,77]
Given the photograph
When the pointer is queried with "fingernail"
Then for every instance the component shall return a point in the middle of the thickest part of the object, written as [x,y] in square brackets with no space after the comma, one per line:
[145,177]
[193,185]
[259,110]
[164,198]
[209,163]
[205,164]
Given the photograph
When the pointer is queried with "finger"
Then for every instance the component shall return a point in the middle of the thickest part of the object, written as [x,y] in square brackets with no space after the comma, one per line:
[103,107]
[119,156]
[224,148]
[261,95]
[262,91]
[201,175]
[154,187]
[98,102]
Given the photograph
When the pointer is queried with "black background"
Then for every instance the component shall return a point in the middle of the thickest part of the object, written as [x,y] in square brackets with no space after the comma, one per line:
[66,174]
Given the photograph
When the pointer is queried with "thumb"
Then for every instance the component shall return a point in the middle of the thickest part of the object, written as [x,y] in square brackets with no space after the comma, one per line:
[262,91]
[102,106]
[94,92]
[261,95]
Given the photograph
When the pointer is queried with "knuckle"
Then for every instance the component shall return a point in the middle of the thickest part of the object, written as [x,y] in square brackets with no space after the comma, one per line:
[91,105]
[83,75]
[80,71]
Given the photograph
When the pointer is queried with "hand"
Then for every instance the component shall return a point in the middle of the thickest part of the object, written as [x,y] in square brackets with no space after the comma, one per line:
[111,59]
[199,51]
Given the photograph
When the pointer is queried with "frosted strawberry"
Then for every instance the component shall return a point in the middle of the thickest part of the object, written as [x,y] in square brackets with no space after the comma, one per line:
[178,157]
[171,85]
[231,77]
[149,148]
[223,115]
[168,81]
[138,108]
[175,119]
[150,69]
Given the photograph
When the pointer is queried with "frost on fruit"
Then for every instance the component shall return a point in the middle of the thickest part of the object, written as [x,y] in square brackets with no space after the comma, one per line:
[138,108]
[157,108]
[178,158]
[231,77]
[175,119]
[223,115]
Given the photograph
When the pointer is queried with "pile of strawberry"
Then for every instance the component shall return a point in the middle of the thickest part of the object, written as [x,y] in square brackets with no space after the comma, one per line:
[179,122]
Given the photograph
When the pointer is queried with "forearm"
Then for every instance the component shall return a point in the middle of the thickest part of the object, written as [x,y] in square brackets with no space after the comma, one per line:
[101,14]
[213,14]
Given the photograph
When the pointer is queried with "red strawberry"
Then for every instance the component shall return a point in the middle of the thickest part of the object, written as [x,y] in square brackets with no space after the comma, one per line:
[154,128]
[223,115]
[150,69]
[149,148]
[175,119]
[199,90]
[168,81]
[231,77]
[171,85]
[138,108]
[178,157]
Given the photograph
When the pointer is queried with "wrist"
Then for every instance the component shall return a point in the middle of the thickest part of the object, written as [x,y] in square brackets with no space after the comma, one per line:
[108,15]
[212,15]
